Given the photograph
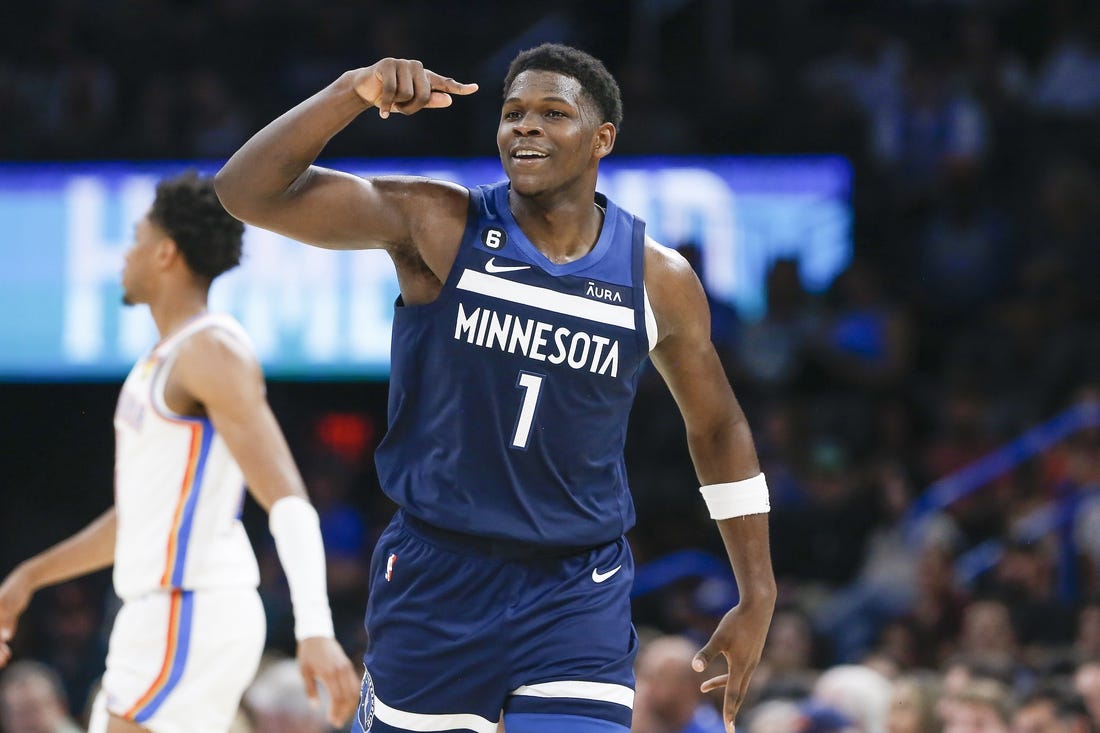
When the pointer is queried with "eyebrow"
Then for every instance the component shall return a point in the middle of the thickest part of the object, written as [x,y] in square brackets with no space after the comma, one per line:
[550,98]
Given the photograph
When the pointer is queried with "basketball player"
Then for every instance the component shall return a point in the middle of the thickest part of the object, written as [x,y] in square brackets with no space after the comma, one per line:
[192,417]
[526,313]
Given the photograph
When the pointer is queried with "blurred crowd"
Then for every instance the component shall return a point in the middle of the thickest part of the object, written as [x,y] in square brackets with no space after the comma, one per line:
[969,315]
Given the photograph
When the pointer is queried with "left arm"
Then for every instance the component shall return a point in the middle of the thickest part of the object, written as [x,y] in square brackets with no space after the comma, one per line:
[216,374]
[722,451]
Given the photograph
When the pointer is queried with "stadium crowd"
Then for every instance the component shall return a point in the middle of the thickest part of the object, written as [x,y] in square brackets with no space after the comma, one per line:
[968,315]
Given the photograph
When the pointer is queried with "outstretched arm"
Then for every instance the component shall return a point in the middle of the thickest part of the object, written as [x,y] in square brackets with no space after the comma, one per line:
[723,453]
[216,373]
[90,549]
[271,181]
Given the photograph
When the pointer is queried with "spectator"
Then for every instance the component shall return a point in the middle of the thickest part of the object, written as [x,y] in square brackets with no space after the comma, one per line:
[1068,82]
[931,128]
[1074,716]
[1086,644]
[1039,713]
[913,705]
[815,717]
[964,254]
[774,716]
[1086,683]
[981,706]
[886,588]
[865,340]
[988,638]
[772,351]
[1025,577]
[860,693]
[32,700]
[786,668]
[868,71]
[276,701]
[668,699]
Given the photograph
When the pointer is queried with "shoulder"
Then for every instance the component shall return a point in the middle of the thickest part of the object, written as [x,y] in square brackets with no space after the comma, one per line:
[663,263]
[674,289]
[435,211]
[421,196]
[421,189]
[217,356]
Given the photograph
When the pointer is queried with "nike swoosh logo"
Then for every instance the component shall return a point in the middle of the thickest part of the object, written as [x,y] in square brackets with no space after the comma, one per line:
[598,577]
[491,266]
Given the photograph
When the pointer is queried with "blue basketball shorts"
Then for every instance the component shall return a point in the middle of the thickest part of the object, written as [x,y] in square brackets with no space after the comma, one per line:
[461,630]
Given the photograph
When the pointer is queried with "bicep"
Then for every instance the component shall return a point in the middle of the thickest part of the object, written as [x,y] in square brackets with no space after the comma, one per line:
[229,384]
[332,209]
[694,374]
[685,355]
[718,436]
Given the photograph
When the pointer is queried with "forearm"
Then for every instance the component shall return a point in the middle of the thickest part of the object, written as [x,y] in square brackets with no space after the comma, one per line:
[266,167]
[749,551]
[296,529]
[89,550]
[726,455]
[724,452]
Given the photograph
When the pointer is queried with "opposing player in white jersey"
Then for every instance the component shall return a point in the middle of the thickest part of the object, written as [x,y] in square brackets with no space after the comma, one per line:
[192,427]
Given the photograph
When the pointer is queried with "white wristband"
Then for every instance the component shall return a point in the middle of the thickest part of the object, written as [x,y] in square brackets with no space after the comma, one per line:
[737,498]
[297,531]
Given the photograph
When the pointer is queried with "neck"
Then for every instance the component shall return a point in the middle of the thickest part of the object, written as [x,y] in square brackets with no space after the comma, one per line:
[563,229]
[172,310]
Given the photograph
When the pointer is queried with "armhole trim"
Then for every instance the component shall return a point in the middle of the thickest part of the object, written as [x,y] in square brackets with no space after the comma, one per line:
[650,320]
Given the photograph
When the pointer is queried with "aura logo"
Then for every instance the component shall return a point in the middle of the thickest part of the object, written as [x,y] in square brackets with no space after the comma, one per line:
[603,292]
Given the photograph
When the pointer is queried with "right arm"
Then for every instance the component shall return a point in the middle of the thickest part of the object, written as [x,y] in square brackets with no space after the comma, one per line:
[271,181]
[214,374]
[90,549]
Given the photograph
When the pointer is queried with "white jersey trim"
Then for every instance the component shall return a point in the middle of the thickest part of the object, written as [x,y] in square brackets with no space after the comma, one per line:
[170,346]
[428,723]
[580,690]
[546,299]
[650,320]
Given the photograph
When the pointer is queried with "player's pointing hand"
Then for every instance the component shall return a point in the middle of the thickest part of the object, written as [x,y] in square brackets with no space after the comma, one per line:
[405,86]
[740,639]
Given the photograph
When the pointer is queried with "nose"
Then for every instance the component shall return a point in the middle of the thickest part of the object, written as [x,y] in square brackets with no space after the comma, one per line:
[526,127]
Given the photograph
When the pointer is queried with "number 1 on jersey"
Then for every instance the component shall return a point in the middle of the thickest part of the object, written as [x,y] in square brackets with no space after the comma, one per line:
[531,384]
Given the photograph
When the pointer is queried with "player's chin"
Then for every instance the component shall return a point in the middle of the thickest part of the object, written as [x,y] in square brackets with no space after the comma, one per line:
[525,184]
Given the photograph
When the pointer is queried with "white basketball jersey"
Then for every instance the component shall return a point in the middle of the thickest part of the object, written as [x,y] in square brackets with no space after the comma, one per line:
[178,491]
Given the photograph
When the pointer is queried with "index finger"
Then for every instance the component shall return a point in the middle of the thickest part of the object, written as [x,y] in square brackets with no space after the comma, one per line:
[344,694]
[731,704]
[448,85]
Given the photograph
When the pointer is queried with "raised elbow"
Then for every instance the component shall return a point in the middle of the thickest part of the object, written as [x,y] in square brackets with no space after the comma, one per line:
[227,187]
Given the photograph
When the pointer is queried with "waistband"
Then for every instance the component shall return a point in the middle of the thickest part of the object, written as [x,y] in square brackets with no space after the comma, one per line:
[468,544]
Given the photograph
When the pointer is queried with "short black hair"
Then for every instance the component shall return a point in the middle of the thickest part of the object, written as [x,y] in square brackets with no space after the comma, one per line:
[207,236]
[596,81]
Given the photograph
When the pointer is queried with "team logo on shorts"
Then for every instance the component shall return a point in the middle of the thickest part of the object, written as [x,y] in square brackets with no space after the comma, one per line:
[366,702]
[493,238]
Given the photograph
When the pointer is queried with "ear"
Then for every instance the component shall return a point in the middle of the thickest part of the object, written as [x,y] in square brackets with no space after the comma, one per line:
[166,253]
[604,140]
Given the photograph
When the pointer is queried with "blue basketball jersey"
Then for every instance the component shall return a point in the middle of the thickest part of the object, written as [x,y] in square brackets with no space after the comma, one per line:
[510,393]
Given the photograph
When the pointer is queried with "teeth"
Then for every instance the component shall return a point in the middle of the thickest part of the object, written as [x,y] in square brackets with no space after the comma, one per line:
[528,154]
